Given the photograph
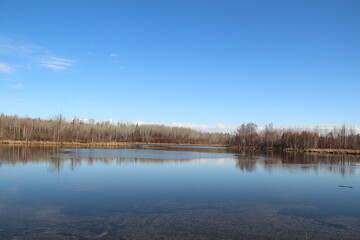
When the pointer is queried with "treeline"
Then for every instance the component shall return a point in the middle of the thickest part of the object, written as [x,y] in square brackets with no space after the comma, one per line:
[58,129]
[248,135]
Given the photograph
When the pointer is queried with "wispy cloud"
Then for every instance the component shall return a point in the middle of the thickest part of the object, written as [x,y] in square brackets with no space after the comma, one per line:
[5,68]
[322,128]
[141,123]
[28,56]
[190,125]
[17,86]
[195,126]
[200,127]
[56,63]
[114,55]
[204,127]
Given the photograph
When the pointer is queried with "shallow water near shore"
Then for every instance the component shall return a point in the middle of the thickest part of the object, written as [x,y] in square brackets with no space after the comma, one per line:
[176,192]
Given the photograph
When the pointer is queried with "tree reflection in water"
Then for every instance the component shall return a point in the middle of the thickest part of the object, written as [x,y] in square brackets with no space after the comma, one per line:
[270,160]
[247,161]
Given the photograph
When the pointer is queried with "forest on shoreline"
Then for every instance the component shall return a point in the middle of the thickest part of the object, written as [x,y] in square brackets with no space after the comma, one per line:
[59,129]
[342,137]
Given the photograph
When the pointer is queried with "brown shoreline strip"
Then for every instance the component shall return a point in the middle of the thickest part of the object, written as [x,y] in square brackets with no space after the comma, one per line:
[95,144]
[128,144]
[306,150]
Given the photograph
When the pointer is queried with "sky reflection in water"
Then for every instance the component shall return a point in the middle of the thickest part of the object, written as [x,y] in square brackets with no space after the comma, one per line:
[179,193]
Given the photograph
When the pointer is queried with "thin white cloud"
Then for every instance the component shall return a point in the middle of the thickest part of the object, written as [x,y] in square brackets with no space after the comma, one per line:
[17,86]
[29,56]
[5,68]
[195,126]
[56,63]
[141,123]
[190,125]
[200,127]
[322,128]
[114,55]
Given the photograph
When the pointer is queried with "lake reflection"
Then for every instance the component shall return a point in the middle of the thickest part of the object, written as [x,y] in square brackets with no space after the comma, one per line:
[172,192]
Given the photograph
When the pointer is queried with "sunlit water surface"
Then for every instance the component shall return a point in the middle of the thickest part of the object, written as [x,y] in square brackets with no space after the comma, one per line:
[172,192]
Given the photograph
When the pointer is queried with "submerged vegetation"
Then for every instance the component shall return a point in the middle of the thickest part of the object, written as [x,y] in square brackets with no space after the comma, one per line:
[77,132]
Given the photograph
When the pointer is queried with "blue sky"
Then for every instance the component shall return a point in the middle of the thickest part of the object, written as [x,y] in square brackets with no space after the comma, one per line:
[205,64]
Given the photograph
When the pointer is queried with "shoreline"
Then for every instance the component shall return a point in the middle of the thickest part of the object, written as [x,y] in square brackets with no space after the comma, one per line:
[95,144]
[330,151]
[128,144]
[326,151]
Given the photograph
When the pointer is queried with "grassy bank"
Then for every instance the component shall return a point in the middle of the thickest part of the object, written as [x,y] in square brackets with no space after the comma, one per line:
[326,151]
[95,144]
[306,150]
[128,144]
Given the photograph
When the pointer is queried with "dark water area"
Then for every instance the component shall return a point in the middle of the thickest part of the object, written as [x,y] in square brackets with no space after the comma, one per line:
[176,192]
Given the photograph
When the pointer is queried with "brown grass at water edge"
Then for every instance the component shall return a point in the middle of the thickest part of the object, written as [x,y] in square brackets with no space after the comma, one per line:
[94,144]
[127,144]
[332,151]
[307,150]
[74,144]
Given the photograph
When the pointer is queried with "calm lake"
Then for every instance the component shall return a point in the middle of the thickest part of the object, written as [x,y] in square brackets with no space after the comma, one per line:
[176,192]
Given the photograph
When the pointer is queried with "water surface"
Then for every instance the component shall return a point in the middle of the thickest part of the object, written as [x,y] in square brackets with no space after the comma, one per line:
[172,192]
